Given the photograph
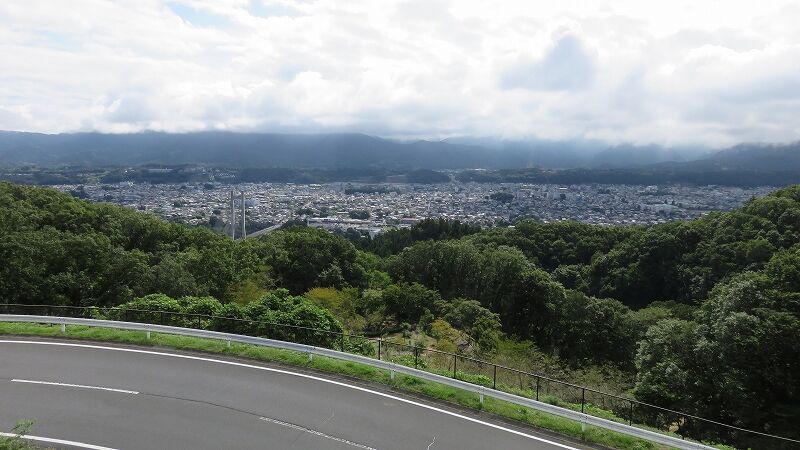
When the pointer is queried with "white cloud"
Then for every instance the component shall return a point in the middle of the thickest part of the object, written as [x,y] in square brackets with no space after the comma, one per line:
[689,71]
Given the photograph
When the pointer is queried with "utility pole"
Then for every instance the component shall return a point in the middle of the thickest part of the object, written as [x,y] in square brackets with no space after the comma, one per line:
[233,217]
[244,230]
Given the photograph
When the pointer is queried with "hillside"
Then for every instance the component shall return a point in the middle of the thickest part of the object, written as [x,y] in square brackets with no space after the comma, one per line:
[670,308]
[238,150]
[757,157]
[234,150]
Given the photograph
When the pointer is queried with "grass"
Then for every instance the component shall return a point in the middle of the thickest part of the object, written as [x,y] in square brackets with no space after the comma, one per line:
[401,382]
[17,442]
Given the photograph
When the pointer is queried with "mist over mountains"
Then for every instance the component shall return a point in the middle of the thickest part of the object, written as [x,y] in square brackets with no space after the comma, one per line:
[330,151]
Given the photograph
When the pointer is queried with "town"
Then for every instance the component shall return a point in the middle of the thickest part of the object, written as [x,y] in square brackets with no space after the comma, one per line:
[371,209]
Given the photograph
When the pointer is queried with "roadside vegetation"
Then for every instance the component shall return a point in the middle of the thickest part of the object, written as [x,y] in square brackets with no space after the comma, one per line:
[17,442]
[698,316]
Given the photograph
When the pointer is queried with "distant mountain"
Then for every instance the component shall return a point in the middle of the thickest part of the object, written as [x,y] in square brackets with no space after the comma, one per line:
[235,150]
[588,154]
[758,157]
[359,151]
[622,156]
[316,151]
[743,165]
[755,158]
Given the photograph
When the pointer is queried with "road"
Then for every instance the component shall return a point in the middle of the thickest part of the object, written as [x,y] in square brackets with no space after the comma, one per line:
[104,396]
[266,230]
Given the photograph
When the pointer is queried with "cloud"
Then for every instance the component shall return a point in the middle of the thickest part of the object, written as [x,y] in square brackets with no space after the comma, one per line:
[688,71]
[568,65]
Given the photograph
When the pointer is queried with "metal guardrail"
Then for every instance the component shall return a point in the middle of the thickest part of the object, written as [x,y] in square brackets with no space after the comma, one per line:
[381,364]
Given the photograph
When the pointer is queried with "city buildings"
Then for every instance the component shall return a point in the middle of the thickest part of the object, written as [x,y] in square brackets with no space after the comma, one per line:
[343,205]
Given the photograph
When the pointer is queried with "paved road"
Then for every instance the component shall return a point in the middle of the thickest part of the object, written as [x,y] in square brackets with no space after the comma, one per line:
[134,398]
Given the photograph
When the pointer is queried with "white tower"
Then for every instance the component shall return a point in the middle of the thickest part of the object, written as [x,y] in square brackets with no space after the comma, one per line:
[233,217]
[244,231]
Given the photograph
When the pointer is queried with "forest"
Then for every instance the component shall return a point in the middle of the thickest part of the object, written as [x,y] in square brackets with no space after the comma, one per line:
[694,172]
[700,316]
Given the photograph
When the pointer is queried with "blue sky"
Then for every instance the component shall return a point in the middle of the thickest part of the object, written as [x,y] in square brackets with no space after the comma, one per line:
[708,72]
[198,17]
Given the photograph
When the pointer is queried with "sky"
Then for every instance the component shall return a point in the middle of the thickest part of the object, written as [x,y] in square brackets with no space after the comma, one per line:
[678,72]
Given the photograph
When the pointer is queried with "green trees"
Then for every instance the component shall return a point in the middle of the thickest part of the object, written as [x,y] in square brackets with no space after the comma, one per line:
[393,241]
[482,325]
[502,197]
[500,278]
[408,301]
[263,317]
[302,258]
[664,372]
[281,307]
[59,250]
[556,244]
[738,362]
[594,331]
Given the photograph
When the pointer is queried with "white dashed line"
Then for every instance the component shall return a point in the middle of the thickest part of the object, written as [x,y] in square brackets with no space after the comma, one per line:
[81,386]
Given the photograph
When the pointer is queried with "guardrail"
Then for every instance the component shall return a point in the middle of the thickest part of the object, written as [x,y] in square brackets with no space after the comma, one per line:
[493,378]
[381,364]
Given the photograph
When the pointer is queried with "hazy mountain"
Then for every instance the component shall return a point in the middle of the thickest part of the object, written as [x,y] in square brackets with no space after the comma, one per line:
[361,151]
[581,153]
[235,150]
[743,157]
[759,157]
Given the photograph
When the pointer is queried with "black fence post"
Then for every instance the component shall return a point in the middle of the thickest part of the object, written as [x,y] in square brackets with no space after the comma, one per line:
[126,315]
[537,388]
[162,317]
[494,378]
[455,359]
[198,322]
[680,433]
[379,349]
[342,340]
[416,356]
[630,417]
[583,398]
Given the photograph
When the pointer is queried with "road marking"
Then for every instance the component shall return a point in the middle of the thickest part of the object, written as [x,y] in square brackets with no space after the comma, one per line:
[50,383]
[317,433]
[431,444]
[56,441]
[301,375]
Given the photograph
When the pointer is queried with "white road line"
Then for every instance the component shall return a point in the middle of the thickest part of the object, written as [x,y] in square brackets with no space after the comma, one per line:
[317,433]
[50,383]
[57,441]
[431,444]
[301,375]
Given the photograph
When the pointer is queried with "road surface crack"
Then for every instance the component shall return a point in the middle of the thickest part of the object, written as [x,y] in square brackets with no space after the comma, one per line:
[317,433]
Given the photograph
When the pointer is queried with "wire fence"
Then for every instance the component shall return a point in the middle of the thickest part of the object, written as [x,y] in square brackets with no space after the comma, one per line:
[459,366]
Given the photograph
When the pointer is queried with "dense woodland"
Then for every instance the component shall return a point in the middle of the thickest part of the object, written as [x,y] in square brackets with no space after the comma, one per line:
[665,173]
[701,316]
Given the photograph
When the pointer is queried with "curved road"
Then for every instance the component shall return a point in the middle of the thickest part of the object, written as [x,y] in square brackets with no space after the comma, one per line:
[103,396]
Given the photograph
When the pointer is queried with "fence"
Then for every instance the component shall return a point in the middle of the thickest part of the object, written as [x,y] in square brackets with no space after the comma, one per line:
[457,366]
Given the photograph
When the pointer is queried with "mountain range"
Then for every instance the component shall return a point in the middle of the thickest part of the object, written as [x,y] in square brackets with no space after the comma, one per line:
[330,151]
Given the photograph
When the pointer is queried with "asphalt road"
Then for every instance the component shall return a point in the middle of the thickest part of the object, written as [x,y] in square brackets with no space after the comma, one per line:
[97,395]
